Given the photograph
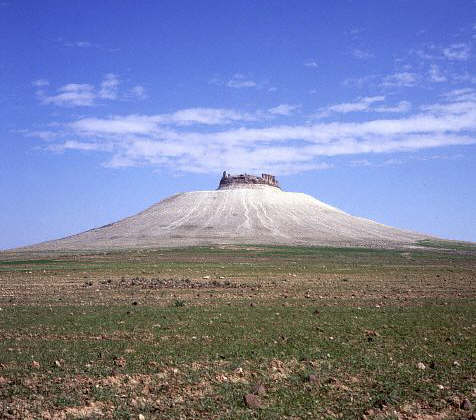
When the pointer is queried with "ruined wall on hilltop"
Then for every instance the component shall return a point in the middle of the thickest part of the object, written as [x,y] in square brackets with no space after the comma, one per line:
[229,181]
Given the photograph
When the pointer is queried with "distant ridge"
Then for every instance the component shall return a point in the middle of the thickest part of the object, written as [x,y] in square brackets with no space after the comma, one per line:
[245,209]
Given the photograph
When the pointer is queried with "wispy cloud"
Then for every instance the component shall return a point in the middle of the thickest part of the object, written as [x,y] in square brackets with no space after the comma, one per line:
[40,83]
[209,140]
[83,44]
[242,81]
[283,109]
[72,94]
[402,106]
[360,82]
[360,162]
[362,104]
[85,94]
[365,104]
[239,81]
[138,92]
[436,75]
[109,87]
[311,63]
[460,51]
[148,124]
[361,54]
[79,44]
[400,79]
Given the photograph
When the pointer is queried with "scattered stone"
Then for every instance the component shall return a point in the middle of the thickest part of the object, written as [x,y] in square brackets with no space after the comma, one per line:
[35,364]
[316,312]
[252,401]
[259,389]
[455,401]
[57,363]
[252,304]
[372,333]
[456,363]
[465,405]
[312,379]
[421,366]
[440,386]
[135,303]
[141,417]
[206,277]
[120,362]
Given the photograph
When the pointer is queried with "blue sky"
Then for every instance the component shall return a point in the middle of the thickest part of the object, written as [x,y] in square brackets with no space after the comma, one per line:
[107,107]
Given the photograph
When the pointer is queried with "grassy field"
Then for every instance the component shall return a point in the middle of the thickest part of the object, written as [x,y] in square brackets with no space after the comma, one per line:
[187,333]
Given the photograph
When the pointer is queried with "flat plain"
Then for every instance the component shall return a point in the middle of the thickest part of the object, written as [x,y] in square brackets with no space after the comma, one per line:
[187,333]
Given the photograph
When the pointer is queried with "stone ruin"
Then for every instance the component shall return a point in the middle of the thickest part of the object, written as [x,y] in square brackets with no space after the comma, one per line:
[229,181]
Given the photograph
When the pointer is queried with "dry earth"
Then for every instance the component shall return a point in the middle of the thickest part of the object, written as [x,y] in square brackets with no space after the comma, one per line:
[188,333]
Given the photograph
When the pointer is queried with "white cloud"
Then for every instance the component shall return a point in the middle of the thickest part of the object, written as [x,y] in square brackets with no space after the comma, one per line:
[148,124]
[240,81]
[207,116]
[361,54]
[78,145]
[283,109]
[365,104]
[402,106]
[360,82]
[436,75]
[360,162]
[72,94]
[459,51]
[459,95]
[138,92]
[86,94]
[40,83]
[361,105]
[311,63]
[401,79]
[109,87]
[79,44]
[210,140]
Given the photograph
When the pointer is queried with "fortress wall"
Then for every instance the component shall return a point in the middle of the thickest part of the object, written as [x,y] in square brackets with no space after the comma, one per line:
[228,180]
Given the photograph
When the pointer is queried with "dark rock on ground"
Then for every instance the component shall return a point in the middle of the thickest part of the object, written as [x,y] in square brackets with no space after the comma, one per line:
[259,389]
[465,405]
[252,401]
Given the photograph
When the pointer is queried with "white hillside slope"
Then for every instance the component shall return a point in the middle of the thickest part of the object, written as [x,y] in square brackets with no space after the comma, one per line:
[258,214]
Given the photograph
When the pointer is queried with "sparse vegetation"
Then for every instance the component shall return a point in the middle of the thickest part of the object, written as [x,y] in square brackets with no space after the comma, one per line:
[385,333]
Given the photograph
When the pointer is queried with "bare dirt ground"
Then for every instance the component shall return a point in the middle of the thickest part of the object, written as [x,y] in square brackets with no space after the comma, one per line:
[189,333]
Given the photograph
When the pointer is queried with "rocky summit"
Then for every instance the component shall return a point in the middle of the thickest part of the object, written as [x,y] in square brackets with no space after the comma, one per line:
[245,209]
